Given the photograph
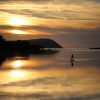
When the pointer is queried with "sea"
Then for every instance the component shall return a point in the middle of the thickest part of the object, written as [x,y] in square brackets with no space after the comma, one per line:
[51,76]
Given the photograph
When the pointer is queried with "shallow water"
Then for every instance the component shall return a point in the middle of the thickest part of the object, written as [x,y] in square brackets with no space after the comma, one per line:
[52,77]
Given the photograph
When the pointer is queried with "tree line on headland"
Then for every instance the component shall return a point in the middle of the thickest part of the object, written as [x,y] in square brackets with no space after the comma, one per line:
[17,47]
[25,47]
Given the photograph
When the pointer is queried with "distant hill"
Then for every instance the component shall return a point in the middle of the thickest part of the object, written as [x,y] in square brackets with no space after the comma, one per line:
[95,48]
[45,43]
[34,46]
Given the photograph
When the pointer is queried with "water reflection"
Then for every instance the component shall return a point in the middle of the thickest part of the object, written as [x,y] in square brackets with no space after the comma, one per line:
[72,63]
[12,60]
[57,78]
[18,73]
[25,63]
[14,64]
[17,64]
[12,75]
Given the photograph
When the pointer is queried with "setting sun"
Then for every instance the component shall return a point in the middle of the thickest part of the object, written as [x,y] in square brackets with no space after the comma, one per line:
[17,21]
[18,32]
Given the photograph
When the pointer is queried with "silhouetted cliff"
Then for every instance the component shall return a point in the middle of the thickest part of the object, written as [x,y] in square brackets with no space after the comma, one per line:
[26,46]
[45,43]
[95,48]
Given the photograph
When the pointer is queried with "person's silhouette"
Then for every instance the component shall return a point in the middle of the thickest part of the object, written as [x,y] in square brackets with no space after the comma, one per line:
[72,60]
[72,57]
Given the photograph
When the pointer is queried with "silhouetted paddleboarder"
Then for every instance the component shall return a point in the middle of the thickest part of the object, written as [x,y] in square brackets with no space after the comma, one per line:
[72,60]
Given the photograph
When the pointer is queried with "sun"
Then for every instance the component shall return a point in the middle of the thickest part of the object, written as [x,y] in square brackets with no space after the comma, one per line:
[18,32]
[17,21]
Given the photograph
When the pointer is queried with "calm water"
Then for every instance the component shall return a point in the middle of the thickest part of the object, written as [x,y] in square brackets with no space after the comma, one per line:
[52,77]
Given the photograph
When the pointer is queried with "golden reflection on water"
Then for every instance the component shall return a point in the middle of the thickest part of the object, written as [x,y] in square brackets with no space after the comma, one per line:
[73,80]
[7,76]
[79,79]
[14,64]
[18,73]
[17,64]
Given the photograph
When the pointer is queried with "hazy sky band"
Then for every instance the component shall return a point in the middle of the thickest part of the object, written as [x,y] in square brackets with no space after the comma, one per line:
[44,1]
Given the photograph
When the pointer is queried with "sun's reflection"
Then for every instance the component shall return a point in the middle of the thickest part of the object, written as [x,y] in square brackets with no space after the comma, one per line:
[17,64]
[14,75]
[25,63]
[18,73]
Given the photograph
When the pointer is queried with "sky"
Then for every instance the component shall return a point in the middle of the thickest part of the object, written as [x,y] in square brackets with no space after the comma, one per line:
[72,23]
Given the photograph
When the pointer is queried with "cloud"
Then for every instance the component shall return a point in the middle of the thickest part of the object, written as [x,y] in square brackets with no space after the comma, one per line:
[52,30]
[47,14]
[65,10]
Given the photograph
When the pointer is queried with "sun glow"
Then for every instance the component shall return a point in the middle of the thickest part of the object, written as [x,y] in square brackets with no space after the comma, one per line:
[18,32]
[17,64]
[17,73]
[17,21]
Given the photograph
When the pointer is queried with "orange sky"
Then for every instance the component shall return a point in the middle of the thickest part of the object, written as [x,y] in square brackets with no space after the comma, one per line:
[72,23]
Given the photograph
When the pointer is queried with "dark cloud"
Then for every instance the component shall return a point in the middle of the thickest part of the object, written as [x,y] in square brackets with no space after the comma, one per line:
[64,30]
[64,14]
[34,13]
